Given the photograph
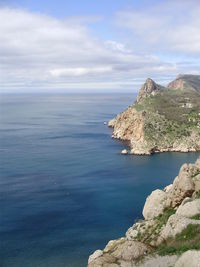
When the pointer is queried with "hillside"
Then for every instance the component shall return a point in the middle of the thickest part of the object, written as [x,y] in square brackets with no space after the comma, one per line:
[162,119]
[186,82]
[168,236]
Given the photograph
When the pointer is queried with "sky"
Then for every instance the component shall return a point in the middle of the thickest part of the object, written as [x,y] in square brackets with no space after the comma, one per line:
[102,45]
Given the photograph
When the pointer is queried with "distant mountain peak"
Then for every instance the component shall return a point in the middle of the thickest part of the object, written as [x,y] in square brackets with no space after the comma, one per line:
[186,82]
[148,88]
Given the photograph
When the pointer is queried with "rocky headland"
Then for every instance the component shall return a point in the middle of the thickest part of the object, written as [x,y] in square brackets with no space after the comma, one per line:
[162,118]
[169,234]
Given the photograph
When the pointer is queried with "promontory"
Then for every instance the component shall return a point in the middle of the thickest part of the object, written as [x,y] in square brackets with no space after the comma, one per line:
[162,118]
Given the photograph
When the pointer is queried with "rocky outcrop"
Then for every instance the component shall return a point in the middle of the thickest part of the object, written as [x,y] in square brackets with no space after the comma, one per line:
[118,252]
[175,225]
[190,258]
[148,88]
[167,214]
[155,204]
[186,82]
[161,120]
[177,84]
[189,209]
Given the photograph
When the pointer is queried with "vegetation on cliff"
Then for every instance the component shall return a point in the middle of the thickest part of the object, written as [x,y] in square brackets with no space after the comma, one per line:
[168,235]
[162,119]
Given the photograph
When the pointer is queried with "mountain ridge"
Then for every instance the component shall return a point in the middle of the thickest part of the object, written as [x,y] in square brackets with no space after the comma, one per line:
[162,118]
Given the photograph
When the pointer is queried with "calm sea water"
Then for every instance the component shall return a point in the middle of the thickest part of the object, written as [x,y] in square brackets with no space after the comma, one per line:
[65,190]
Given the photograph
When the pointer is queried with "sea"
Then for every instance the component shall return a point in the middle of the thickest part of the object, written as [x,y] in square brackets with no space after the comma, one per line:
[65,189]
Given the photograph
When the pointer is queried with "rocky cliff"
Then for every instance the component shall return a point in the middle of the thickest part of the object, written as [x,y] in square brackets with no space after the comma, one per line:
[169,235]
[162,119]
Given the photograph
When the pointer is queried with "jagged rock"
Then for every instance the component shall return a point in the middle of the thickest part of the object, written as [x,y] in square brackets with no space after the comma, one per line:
[98,253]
[155,204]
[123,251]
[105,260]
[151,126]
[130,250]
[142,230]
[190,258]
[111,123]
[183,185]
[155,230]
[168,188]
[148,88]
[196,180]
[175,225]
[186,82]
[124,152]
[113,243]
[189,209]
[197,163]
[177,84]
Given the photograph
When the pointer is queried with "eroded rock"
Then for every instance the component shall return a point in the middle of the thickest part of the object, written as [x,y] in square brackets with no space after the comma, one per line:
[155,204]
[190,258]
[189,209]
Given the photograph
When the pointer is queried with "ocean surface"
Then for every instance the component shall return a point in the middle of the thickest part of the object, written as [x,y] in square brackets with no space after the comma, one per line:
[65,189]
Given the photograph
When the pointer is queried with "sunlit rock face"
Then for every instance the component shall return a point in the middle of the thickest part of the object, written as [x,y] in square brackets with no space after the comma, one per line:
[162,119]
[167,214]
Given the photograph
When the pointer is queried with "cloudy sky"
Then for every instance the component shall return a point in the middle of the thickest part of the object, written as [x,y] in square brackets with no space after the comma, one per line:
[78,45]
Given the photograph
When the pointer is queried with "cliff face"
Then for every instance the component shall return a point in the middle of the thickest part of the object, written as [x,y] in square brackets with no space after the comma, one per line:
[161,119]
[149,88]
[186,82]
[169,235]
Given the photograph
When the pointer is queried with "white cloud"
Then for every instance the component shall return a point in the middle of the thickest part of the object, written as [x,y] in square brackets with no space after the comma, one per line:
[37,50]
[79,71]
[170,26]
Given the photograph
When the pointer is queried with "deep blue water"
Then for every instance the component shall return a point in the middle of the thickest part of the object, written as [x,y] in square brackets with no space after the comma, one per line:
[65,189]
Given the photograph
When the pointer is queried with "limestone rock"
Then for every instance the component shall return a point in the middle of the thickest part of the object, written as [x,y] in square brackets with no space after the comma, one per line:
[111,123]
[113,243]
[168,188]
[154,230]
[123,251]
[190,258]
[148,88]
[189,209]
[157,261]
[175,225]
[197,163]
[124,152]
[183,186]
[98,253]
[105,260]
[155,204]
[130,250]
[148,126]
[187,82]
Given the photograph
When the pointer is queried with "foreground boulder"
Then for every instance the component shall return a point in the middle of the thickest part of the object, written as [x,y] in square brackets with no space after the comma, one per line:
[183,185]
[122,251]
[190,258]
[167,214]
[155,204]
[175,225]
[189,208]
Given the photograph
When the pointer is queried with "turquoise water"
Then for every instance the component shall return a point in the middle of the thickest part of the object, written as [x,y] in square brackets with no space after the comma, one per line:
[65,190]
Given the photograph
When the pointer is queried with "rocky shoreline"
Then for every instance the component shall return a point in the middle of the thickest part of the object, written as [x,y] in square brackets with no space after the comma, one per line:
[169,234]
[162,119]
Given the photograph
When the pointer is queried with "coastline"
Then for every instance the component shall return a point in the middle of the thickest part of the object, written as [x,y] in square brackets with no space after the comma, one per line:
[169,215]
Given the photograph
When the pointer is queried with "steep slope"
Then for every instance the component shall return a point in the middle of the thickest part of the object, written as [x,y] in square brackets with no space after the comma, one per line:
[169,235]
[162,119]
[186,82]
